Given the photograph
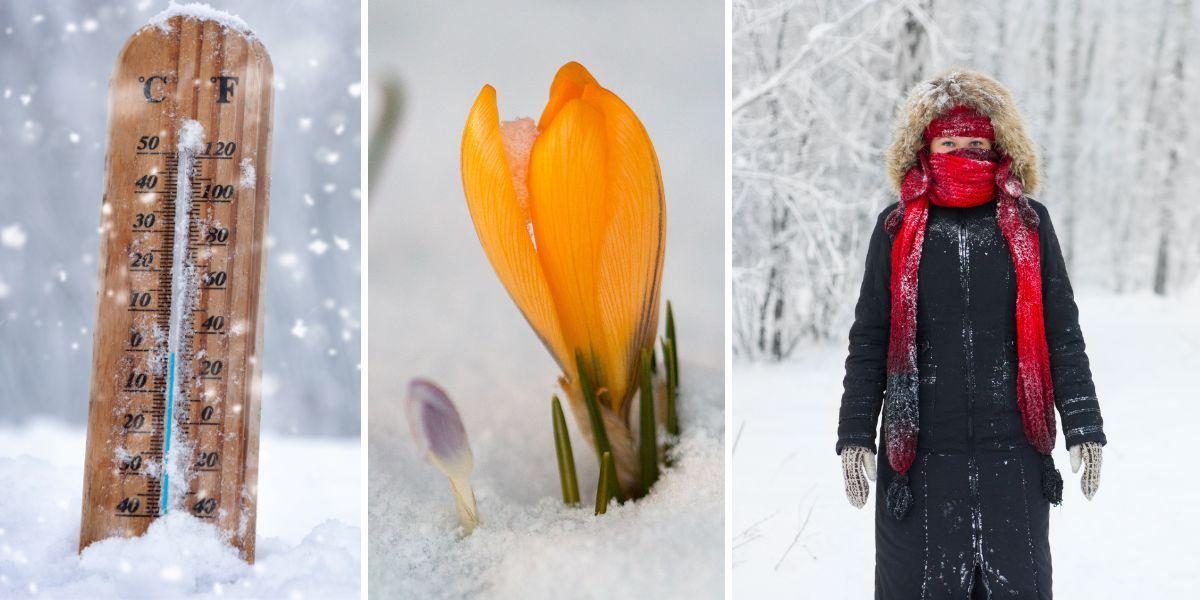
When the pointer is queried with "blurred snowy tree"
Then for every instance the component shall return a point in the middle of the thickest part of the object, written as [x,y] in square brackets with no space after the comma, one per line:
[1107,90]
[55,60]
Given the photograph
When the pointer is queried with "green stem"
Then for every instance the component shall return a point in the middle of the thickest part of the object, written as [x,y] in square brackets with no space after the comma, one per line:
[593,408]
[647,432]
[674,345]
[604,489]
[597,422]
[566,459]
[672,418]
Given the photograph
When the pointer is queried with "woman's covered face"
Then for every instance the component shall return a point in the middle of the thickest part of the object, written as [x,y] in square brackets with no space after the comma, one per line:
[941,145]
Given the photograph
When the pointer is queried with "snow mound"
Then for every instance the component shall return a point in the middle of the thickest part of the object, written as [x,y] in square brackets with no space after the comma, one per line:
[200,11]
[179,556]
[669,544]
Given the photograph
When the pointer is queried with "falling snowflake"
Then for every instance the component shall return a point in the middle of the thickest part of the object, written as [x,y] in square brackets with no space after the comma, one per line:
[328,156]
[13,236]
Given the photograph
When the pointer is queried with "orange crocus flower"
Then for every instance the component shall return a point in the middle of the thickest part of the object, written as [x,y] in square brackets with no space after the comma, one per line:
[571,214]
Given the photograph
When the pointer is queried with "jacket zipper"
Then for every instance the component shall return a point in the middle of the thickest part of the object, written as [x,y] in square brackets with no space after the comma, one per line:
[968,336]
[968,340]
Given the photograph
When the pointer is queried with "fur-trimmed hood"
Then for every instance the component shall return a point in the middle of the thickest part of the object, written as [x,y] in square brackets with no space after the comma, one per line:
[929,99]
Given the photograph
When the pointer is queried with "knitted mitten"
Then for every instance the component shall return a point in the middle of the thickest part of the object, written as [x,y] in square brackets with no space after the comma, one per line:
[858,465]
[1091,454]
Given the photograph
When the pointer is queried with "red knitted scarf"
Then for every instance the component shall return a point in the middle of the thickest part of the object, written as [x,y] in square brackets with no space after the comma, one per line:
[964,178]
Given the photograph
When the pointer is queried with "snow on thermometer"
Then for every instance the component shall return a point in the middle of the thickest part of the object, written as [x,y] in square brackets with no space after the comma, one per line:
[174,407]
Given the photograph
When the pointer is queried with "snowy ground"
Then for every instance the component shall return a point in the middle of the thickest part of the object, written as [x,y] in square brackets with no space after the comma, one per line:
[528,544]
[306,549]
[1135,540]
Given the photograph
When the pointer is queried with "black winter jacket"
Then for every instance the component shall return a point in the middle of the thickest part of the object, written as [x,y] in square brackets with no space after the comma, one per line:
[978,505]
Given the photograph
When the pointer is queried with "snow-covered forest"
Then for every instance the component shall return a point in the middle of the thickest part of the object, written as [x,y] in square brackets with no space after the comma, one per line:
[55,61]
[1108,89]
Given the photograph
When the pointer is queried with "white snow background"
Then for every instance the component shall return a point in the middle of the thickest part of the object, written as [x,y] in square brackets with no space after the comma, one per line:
[55,61]
[438,310]
[794,530]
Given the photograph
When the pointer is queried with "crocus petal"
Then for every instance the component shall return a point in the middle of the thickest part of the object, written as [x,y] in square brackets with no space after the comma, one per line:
[569,210]
[568,85]
[438,430]
[631,258]
[502,223]
[606,275]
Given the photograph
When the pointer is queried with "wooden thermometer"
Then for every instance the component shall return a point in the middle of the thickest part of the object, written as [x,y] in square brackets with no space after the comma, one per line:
[174,408]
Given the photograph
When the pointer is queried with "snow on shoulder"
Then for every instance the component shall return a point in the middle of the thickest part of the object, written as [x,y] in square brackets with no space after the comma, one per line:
[200,11]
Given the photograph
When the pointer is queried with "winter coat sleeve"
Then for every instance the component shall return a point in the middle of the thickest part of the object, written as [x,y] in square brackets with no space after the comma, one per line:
[866,364]
[1074,392]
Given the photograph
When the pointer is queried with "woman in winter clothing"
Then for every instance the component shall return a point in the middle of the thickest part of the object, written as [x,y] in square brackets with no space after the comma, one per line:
[966,338]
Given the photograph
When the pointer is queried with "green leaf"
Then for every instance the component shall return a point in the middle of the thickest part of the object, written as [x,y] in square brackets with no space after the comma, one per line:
[672,418]
[647,432]
[674,371]
[604,487]
[566,459]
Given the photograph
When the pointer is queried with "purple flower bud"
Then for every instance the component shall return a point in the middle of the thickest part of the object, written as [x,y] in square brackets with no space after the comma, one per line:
[436,427]
[442,440]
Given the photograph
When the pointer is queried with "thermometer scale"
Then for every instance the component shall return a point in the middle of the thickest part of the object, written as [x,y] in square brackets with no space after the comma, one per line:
[174,405]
